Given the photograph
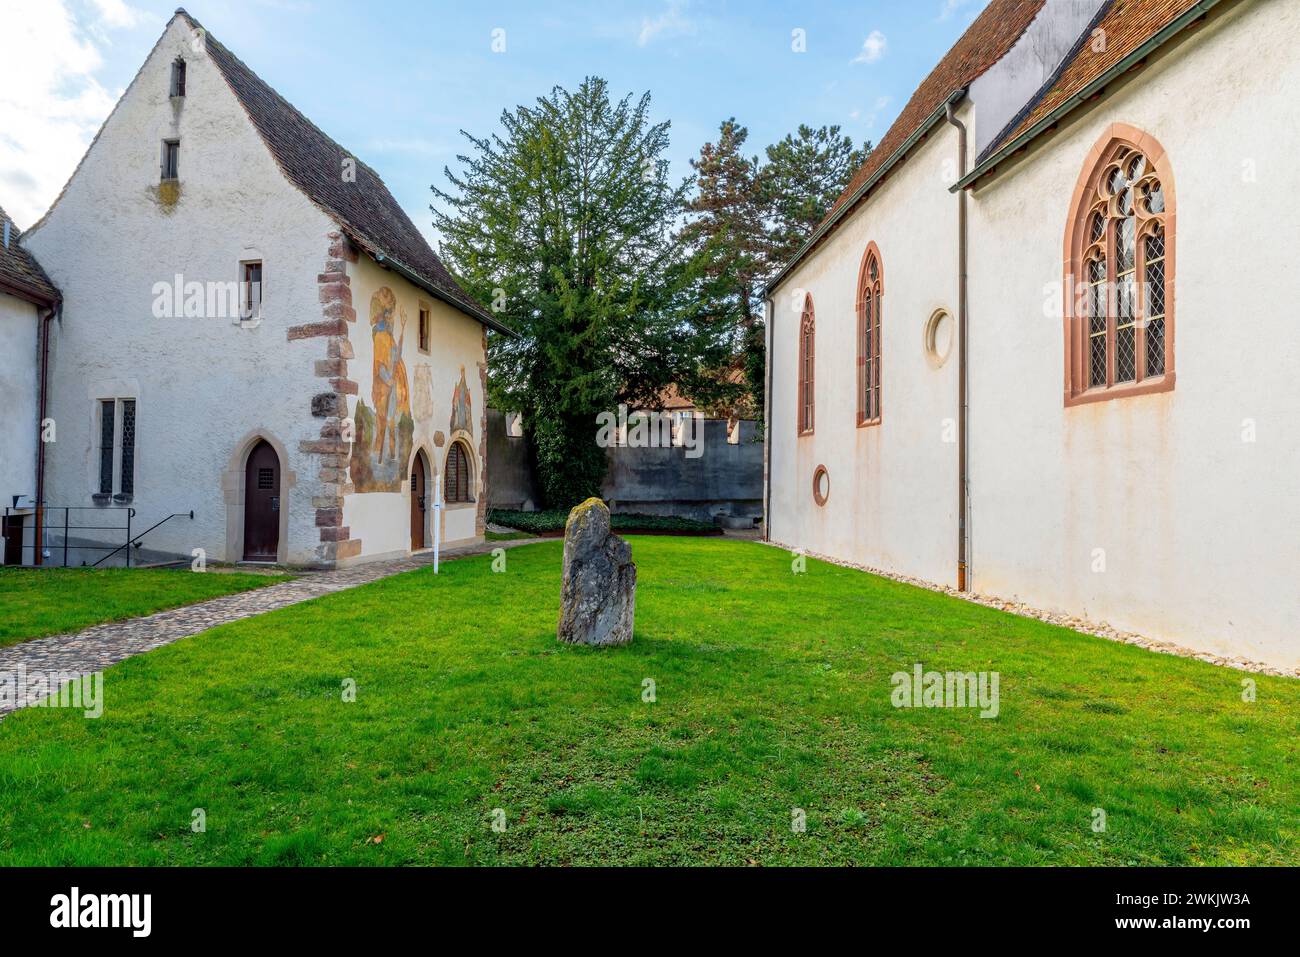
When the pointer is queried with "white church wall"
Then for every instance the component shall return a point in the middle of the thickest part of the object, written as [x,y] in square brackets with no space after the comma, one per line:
[201,384]
[893,486]
[1188,496]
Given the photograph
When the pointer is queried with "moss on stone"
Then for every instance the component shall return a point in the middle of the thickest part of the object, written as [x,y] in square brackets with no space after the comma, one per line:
[168,194]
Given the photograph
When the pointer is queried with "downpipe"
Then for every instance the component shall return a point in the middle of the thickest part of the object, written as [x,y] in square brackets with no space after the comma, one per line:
[963,538]
[769,308]
[38,532]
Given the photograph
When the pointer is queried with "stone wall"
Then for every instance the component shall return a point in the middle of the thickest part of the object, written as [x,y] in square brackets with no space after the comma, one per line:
[725,483]
[510,479]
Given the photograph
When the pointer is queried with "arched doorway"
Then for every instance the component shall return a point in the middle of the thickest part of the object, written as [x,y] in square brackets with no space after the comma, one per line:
[419,500]
[262,504]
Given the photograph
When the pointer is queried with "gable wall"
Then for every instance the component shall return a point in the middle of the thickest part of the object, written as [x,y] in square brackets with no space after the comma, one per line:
[1007,85]
[1201,530]
[205,387]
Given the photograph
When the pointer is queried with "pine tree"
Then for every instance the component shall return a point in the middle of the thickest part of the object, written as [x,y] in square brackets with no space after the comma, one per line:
[749,219]
[803,176]
[729,235]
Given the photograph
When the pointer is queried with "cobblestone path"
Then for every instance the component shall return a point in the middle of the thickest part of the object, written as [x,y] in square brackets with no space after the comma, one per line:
[95,648]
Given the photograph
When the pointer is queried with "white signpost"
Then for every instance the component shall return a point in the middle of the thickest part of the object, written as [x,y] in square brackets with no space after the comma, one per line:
[437,520]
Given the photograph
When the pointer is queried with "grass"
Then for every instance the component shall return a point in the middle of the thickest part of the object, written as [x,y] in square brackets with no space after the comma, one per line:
[552,521]
[52,601]
[772,695]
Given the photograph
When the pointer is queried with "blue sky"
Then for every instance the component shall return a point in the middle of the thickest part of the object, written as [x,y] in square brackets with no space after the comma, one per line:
[395,81]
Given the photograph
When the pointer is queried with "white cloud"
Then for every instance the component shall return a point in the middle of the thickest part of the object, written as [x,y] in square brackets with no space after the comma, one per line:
[51,103]
[871,115]
[873,48]
[876,108]
[117,14]
[672,22]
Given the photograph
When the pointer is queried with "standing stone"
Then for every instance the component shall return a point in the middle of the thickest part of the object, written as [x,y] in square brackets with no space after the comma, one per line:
[598,597]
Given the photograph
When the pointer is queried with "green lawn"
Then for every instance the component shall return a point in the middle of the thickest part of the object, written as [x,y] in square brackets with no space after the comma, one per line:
[51,601]
[773,694]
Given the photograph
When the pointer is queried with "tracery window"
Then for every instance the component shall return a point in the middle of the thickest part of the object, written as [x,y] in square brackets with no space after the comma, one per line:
[1119,329]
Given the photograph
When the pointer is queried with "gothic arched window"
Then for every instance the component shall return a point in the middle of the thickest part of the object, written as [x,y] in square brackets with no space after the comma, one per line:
[807,366]
[871,288]
[1119,281]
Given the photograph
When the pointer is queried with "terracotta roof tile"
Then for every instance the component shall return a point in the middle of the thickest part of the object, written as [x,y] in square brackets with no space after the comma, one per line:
[19,269]
[985,42]
[1127,24]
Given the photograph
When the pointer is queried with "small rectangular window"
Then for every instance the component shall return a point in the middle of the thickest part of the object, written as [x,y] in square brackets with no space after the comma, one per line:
[117,447]
[424,330]
[178,78]
[252,290]
[107,431]
[171,159]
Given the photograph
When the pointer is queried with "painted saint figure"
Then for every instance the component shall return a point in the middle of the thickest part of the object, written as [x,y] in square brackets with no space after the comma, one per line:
[461,420]
[389,388]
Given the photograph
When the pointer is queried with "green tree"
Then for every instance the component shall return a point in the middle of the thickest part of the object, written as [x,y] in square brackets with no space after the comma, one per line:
[728,233]
[803,175]
[564,224]
[749,218]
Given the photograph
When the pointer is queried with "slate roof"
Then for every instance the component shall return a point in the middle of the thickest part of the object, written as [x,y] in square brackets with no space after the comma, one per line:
[20,273]
[313,162]
[1127,24]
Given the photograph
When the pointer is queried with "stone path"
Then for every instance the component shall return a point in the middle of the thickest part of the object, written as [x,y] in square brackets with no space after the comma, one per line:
[94,649]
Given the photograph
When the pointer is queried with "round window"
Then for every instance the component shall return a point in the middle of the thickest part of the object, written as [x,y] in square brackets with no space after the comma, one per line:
[939,334]
[821,485]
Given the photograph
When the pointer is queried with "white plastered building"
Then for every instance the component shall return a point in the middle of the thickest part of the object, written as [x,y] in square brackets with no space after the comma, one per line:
[251,331]
[1131,459]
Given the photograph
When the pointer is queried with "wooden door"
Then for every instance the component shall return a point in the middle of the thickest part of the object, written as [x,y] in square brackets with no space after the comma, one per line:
[419,492]
[262,504]
[13,536]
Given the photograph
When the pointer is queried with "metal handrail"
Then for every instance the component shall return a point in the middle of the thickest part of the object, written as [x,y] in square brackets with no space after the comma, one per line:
[68,527]
[135,540]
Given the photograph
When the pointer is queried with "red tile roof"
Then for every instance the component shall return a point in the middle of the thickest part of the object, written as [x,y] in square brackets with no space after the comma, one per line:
[985,42]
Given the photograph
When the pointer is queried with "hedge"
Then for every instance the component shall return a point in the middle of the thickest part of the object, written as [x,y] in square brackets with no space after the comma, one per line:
[552,521]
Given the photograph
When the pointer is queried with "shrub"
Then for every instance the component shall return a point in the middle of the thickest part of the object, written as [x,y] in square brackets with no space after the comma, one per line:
[552,520]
